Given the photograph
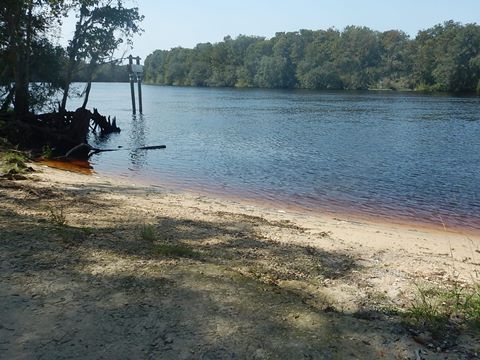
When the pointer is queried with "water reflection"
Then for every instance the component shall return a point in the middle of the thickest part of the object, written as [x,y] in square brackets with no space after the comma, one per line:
[102,141]
[137,138]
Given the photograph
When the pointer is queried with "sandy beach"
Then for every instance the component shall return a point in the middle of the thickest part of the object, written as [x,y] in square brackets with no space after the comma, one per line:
[96,267]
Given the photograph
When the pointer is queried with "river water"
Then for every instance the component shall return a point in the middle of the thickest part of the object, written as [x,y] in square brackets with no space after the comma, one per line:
[382,154]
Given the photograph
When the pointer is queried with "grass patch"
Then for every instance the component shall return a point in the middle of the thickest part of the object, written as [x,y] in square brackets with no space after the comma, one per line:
[436,308]
[14,162]
[87,231]
[57,215]
[148,232]
[174,251]
[71,236]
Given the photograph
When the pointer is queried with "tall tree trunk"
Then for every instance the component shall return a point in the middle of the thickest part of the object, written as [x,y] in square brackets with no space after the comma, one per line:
[21,85]
[72,58]
[22,57]
[87,94]
[66,86]
[91,69]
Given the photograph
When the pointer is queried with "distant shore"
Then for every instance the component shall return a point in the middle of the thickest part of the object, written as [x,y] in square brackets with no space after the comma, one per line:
[372,89]
[189,275]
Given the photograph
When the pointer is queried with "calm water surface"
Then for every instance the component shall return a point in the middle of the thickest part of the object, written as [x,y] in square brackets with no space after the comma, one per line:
[409,156]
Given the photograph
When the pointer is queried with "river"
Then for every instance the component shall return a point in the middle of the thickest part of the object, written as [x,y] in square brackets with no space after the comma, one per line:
[381,154]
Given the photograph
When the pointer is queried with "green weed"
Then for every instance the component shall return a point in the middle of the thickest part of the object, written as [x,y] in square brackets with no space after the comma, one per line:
[174,250]
[57,215]
[87,231]
[14,162]
[148,232]
[435,308]
[70,235]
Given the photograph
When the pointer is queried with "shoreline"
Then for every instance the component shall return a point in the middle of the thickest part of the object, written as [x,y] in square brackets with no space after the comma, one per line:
[427,92]
[92,263]
[306,217]
[438,227]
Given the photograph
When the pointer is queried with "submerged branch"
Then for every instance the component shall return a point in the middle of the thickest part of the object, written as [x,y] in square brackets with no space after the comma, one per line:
[92,151]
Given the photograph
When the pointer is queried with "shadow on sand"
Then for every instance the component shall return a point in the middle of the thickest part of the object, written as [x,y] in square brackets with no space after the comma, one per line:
[101,291]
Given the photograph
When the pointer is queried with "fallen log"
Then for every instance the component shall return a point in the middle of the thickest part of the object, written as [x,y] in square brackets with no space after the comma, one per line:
[92,151]
[151,147]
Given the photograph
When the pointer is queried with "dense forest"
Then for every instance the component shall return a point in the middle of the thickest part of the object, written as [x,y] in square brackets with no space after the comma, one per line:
[445,57]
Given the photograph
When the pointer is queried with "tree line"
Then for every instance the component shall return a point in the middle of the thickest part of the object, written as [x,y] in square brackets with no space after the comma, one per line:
[445,57]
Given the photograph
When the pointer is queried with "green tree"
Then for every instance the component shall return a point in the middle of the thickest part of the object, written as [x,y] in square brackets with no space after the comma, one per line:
[319,69]
[25,25]
[178,66]
[155,66]
[254,54]
[273,72]
[199,73]
[445,57]
[102,25]
[358,57]
[396,63]
[457,48]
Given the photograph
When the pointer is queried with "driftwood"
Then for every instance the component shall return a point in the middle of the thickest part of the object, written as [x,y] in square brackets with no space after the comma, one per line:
[106,126]
[151,147]
[60,131]
[91,150]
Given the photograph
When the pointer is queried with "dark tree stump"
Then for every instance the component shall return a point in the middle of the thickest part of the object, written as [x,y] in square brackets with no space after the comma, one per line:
[59,131]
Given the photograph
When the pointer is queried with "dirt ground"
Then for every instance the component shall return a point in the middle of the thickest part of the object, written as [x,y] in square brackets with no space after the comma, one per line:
[95,268]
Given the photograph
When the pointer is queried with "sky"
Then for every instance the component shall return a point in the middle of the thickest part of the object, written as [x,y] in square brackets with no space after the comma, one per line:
[186,23]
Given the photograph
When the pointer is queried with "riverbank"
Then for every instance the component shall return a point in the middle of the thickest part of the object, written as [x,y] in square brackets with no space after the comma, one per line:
[96,267]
